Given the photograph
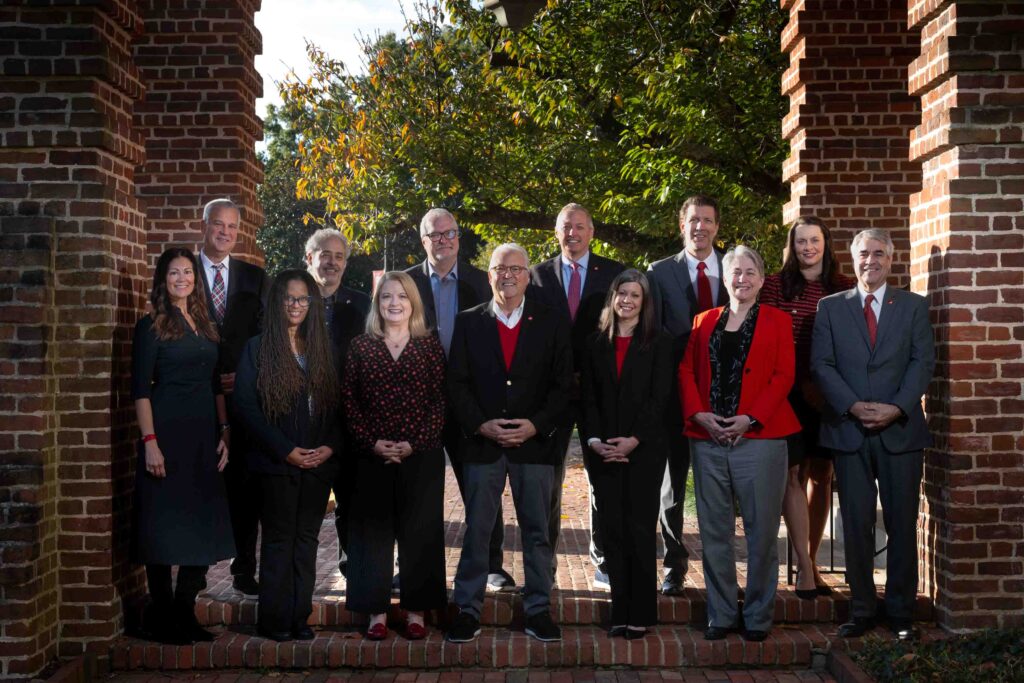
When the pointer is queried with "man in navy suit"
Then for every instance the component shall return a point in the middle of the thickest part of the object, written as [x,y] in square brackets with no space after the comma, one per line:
[872,356]
[236,292]
[575,284]
[683,286]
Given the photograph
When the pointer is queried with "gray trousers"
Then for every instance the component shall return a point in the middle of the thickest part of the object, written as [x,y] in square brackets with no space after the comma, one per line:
[531,493]
[754,472]
[899,487]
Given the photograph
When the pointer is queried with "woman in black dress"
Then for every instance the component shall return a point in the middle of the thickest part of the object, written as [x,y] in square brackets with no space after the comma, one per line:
[626,379]
[286,391]
[393,391]
[180,502]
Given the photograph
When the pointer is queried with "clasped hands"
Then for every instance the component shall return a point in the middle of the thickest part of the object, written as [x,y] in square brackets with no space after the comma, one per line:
[875,415]
[725,431]
[308,458]
[393,452]
[616,449]
[508,433]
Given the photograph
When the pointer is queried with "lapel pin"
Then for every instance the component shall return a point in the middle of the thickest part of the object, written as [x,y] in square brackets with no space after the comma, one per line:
[529,317]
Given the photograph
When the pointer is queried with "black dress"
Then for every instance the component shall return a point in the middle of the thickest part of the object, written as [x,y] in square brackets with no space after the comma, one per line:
[183,518]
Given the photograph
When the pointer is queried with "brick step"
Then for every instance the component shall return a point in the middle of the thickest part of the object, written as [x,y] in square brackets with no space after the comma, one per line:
[568,607]
[496,648]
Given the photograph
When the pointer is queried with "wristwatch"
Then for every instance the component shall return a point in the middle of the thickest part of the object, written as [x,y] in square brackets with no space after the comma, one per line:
[753,421]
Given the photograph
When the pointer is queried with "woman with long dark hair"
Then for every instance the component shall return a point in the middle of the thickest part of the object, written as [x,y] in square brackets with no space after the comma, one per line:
[286,390]
[394,404]
[809,272]
[181,510]
[626,379]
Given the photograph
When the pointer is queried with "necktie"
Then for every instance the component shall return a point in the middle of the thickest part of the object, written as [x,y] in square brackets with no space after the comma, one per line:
[574,290]
[219,296]
[870,319]
[704,300]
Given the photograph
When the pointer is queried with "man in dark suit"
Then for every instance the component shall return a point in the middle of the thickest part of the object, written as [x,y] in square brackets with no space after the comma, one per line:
[508,381]
[872,356]
[345,312]
[236,292]
[683,286]
[575,284]
[448,286]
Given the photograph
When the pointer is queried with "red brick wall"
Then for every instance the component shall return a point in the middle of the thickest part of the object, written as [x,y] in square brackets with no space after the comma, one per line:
[967,230]
[850,118]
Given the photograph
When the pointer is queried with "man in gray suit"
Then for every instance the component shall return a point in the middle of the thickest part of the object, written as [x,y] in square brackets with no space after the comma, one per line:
[683,286]
[872,356]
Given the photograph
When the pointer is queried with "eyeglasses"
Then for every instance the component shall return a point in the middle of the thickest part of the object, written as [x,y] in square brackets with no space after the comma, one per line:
[515,270]
[300,301]
[447,234]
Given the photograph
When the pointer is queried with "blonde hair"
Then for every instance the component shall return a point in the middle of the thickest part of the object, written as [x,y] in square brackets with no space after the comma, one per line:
[417,322]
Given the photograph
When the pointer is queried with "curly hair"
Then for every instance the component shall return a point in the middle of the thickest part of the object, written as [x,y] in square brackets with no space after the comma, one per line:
[167,322]
[793,283]
[279,378]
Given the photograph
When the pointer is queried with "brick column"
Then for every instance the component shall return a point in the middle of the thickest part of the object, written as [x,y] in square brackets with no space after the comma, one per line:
[967,230]
[198,118]
[850,118]
[71,284]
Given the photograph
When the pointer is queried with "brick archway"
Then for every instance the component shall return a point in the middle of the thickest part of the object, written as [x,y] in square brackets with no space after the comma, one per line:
[120,117]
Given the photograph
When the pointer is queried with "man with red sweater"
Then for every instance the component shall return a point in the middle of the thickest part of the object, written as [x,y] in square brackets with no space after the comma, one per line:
[509,372]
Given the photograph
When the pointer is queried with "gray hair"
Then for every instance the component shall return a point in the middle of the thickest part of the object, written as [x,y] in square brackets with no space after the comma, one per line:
[218,204]
[872,234]
[741,251]
[571,207]
[508,246]
[316,241]
[430,217]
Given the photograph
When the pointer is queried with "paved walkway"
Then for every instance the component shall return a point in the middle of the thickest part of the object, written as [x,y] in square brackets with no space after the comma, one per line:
[517,676]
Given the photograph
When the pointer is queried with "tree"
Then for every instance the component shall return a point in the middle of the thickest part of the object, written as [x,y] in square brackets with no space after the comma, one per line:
[627,106]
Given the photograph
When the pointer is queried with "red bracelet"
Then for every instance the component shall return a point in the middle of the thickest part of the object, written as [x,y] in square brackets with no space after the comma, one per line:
[148,437]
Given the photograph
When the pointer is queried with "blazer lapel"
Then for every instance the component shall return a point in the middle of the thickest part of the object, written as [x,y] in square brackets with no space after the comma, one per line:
[857,313]
[723,293]
[682,274]
[427,294]
[594,275]
[490,323]
[524,339]
[887,318]
[209,293]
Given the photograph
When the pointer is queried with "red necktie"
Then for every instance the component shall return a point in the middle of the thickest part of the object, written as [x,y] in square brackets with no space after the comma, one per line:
[574,290]
[704,300]
[870,319]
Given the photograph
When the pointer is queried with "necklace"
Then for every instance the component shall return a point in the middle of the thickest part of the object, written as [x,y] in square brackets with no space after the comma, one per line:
[397,343]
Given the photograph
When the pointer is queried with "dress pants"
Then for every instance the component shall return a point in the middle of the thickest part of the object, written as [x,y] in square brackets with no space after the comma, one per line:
[531,493]
[243,489]
[403,502]
[597,552]
[629,517]
[898,477]
[343,487]
[191,580]
[673,488]
[292,514]
[754,472]
[452,441]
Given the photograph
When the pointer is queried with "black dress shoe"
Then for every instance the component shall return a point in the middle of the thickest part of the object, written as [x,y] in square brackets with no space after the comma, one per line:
[303,632]
[635,632]
[754,636]
[716,632]
[823,589]
[245,584]
[673,583]
[278,636]
[807,593]
[857,627]
[617,632]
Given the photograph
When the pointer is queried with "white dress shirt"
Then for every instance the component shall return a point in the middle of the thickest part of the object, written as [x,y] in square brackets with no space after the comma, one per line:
[714,276]
[876,305]
[509,321]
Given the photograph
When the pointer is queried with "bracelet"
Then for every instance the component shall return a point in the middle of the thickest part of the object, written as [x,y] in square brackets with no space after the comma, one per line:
[224,426]
[148,437]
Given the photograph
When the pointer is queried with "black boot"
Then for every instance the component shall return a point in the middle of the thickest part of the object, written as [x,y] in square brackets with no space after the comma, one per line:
[159,624]
[188,625]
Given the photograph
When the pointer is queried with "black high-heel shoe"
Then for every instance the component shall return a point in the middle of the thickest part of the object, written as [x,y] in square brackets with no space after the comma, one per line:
[806,593]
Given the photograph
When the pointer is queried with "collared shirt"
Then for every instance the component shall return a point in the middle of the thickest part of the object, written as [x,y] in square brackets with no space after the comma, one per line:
[876,305]
[583,262]
[714,276]
[510,320]
[446,302]
[211,272]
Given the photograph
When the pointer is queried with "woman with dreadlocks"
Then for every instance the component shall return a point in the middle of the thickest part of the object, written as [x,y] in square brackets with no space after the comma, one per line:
[181,510]
[286,390]
[393,393]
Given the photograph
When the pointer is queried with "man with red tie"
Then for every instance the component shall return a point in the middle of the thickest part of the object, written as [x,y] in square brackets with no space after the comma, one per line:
[683,286]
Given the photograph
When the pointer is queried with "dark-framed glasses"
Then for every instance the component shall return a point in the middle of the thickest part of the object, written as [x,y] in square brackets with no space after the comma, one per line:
[300,301]
[447,234]
[515,270]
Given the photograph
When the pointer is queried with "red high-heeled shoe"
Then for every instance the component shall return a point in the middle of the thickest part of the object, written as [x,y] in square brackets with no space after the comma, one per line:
[377,632]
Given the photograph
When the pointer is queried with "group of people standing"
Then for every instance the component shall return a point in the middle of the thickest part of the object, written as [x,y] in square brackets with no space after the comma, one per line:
[761,382]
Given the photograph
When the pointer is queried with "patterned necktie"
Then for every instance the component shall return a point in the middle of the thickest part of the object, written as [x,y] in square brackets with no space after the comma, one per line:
[574,290]
[220,298]
[870,319]
[704,300]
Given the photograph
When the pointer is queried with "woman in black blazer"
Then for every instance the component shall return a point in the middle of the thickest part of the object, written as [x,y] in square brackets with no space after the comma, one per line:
[286,391]
[626,380]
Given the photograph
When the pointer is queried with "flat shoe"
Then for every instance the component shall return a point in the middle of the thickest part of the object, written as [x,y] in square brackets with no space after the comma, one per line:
[633,633]
[807,593]
[617,632]
[414,631]
[377,632]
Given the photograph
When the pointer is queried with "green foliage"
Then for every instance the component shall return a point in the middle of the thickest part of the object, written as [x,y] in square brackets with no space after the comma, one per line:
[994,656]
[627,107]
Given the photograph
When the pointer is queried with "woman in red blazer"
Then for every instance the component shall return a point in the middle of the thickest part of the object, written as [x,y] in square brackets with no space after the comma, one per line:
[733,380]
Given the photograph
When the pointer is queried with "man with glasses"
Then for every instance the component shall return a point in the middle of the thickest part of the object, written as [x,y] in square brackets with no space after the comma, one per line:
[448,286]
[509,372]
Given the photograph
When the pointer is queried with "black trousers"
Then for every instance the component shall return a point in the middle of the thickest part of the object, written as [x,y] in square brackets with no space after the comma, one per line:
[452,440]
[597,552]
[243,489]
[292,513]
[403,503]
[673,488]
[344,485]
[191,580]
[629,515]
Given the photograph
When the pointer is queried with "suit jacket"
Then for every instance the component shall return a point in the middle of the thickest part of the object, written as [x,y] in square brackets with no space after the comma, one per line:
[897,370]
[356,298]
[548,287]
[473,288]
[270,443]
[348,322]
[767,375]
[248,287]
[675,299]
[536,387]
[630,404]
